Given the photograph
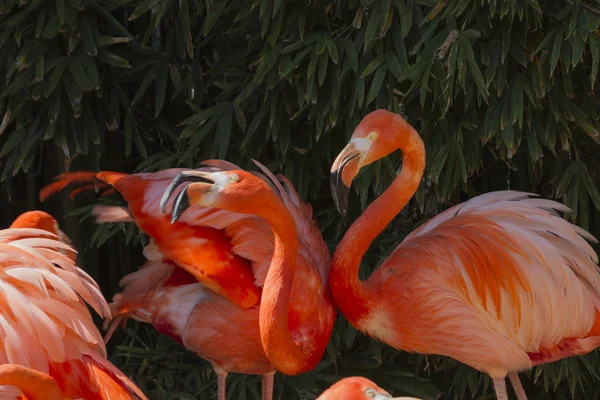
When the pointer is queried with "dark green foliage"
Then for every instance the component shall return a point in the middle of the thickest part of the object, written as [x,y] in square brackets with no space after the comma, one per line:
[503,92]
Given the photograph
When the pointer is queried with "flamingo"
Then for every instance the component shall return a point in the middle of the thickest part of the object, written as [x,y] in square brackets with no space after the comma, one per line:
[500,283]
[205,275]
[49,345]
[358,388]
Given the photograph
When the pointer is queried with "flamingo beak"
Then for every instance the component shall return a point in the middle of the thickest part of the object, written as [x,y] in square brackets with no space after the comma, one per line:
[344,169]
[191,194]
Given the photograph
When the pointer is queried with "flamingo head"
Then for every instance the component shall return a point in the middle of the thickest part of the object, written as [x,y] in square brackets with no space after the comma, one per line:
[40,220]
[357,388]
[378,134]
[234,190]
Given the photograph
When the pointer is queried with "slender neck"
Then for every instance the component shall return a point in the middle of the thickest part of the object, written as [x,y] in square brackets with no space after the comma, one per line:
[277,341]
[348,291]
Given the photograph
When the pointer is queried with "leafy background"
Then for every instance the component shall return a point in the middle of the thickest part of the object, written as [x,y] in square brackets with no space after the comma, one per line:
[503,92]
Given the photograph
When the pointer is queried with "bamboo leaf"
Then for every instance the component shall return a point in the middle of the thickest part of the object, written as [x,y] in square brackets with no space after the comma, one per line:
[213,15]
[351,54]
[589,185]
[373,66]
[567,179]
[473,67]
[556,48]
[223,132]
[376,83]
[375,19]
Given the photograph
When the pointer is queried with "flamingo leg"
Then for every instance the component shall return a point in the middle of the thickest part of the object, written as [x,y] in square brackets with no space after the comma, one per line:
[517,386]
[267,386]
[500,388]
[221,383]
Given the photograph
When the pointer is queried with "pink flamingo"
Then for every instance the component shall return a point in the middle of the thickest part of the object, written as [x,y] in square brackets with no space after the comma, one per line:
[501,282]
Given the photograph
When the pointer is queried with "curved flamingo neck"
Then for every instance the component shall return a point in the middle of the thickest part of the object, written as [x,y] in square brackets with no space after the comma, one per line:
[277,341]
[351,295]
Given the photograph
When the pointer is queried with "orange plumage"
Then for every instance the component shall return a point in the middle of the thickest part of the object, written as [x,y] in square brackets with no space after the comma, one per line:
[205,273]
[500,282]
[49,344]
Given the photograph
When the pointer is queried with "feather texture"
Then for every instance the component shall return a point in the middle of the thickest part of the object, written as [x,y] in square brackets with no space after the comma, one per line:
[45,325]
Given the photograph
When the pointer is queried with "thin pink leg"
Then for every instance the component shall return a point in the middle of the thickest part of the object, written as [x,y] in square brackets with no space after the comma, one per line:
[516,384]
[500,388]
[267,386]
[221,383]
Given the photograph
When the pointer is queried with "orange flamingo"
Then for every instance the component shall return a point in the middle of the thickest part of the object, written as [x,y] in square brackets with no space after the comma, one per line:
[500,283]
[49,345]
[358,388]
[205,273]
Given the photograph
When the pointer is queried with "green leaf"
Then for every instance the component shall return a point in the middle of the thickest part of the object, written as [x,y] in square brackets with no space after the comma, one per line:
[143,8]
[147,81]
[128,132]
[184,17]
[223,132]
[589,185]
[376,83]
[556,47]
[517,100]
[213,15]
[595,50]
[567,178]
[375,19]
[60,11]
[160,89]
[239,116]
[76,68]
[439,162]
[88,38]
[508,134]
[373,65]
[473,67]
[323,61]
[299,44]
[351,54]
[51,28]
[394,65]
[112,59]
[110,19]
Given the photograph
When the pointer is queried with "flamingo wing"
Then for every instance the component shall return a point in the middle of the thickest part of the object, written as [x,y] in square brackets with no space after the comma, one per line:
[45,324]
[42,301]
[202,248]
[506,265]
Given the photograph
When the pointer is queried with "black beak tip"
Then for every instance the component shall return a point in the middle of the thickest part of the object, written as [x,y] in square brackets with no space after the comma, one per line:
[185,176]
[340,193]
[182,203]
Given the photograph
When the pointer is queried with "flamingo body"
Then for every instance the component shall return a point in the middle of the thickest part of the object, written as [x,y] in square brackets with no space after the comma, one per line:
[486,295]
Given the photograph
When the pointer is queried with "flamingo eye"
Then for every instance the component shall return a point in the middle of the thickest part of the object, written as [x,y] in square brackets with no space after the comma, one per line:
[373,135]
[370,393]
[234,177]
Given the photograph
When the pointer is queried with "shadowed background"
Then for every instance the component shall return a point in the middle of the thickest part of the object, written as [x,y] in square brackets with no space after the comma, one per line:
[503,93]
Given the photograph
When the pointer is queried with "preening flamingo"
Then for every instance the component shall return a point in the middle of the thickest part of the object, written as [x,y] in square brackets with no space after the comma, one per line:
[358,388]
[501,282]
[49,345]
[205,273]
[287,317]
